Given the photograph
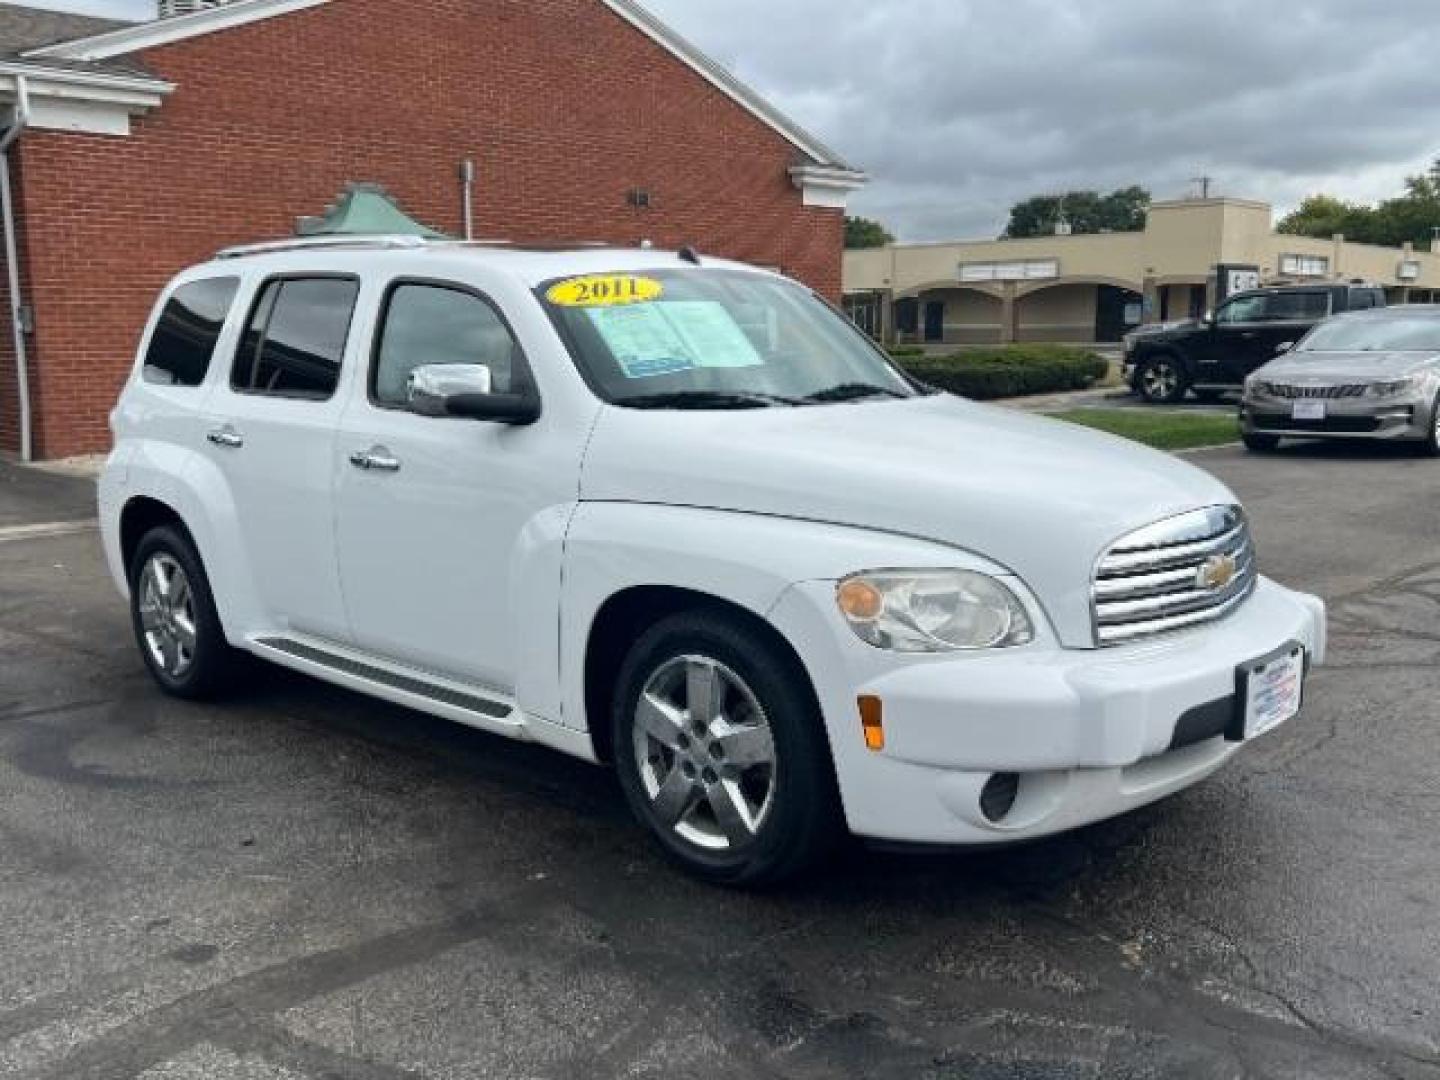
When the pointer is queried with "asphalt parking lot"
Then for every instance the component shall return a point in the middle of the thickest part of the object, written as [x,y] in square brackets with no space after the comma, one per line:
[304,883]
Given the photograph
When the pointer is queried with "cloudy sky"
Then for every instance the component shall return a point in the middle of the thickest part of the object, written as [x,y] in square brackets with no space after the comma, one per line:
[959,108]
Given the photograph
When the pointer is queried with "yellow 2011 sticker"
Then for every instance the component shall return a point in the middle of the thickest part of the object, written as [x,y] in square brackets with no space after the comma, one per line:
[605,290]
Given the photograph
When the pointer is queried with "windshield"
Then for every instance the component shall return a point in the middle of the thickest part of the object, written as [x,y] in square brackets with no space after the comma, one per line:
[1390,334]
[702,338]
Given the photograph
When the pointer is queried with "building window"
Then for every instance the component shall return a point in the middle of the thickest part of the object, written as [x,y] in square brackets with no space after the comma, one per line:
[189,327]
[1033,270]
[1304,265]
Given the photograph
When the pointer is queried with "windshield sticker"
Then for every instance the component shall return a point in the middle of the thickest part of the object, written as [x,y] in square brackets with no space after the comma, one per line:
[604,291]
[642,340]
[661,339]
[714,337]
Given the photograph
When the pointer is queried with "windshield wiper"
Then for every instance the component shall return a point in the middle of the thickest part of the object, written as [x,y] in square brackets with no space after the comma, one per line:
[707,399]
[854,392]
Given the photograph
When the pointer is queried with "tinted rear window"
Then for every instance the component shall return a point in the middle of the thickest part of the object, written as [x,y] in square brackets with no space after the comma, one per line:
[295,341]
[189,327]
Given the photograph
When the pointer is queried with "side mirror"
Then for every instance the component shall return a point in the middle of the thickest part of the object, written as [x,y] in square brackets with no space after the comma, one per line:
[1284,347]
[465,391]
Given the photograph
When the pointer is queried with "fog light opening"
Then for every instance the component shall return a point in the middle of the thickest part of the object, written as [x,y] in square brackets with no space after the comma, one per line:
[997,797]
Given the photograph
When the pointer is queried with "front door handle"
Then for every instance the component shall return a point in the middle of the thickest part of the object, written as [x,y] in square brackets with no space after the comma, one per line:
[376,460]
[227,437]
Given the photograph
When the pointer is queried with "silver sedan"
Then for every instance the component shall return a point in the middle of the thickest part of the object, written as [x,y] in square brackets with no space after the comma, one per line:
[1367,375]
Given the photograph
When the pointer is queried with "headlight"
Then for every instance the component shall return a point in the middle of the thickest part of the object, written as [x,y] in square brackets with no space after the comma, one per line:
[930,611]
[1390,389]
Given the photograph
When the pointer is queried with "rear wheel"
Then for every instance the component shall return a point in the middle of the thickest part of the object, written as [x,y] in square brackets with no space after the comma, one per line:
[173,613]
[1260,444]
[722,753]
[1160,380]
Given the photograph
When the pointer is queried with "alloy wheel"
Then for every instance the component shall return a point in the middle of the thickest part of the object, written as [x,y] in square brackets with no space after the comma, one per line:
[167,614]
[705,752]
[1160,380]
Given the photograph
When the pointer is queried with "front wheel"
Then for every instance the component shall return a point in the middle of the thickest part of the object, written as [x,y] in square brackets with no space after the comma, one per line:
[722,753]
[1430,446]
[1160,381]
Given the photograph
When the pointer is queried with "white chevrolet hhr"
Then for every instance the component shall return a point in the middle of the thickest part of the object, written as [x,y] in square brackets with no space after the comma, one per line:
[678,515]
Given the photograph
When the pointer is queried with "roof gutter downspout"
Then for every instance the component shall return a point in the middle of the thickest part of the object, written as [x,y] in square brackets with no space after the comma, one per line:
[12,262]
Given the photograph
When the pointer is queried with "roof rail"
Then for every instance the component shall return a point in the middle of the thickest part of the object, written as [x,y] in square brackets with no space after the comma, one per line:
[322,243]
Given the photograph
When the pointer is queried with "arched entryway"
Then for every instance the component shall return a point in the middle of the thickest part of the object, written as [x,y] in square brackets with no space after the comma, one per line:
[1078,310]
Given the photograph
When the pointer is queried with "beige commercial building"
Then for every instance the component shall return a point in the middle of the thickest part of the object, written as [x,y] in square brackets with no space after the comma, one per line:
[1192,253]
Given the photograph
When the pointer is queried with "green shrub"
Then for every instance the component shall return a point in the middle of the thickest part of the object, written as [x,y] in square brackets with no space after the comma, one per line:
[901,352]
[1002,371]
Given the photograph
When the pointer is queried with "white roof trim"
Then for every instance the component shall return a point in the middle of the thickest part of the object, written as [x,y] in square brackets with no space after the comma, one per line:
[636,15]
[148,35]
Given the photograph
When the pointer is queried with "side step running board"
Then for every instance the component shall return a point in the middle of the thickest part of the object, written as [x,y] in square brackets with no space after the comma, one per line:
[413,683]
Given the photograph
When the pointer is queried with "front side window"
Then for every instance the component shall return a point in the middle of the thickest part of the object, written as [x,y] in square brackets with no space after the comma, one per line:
[433,324]
[714,338]
[295,341]
[185,337]
[1244,309]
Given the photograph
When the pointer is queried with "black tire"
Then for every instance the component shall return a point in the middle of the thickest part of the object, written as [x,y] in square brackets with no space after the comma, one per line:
[801,820]
[1260,444]
[1430,445]
[212,663]
[1161,380]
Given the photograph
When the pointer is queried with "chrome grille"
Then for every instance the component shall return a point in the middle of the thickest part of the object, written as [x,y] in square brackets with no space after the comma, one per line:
[1167,576]
[1344,390]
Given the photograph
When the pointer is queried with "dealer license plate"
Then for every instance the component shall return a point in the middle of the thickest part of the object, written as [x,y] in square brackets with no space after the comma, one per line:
[1272,690]
[1309,410]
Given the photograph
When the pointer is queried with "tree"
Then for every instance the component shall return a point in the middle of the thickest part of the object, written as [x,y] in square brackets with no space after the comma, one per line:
[1322,216]
[863,233]
[1085,212]
[1412,217]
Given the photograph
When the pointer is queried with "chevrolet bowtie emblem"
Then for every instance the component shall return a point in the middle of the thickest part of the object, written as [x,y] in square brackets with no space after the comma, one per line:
[1217,572]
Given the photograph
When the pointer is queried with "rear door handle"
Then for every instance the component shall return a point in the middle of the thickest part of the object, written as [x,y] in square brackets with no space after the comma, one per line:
[377,460]
[227,437]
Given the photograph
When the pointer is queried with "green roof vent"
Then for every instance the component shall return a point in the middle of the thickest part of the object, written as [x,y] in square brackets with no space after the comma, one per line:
[365,210]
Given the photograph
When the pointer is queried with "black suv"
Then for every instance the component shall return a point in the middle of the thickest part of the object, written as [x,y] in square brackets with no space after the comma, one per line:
[1212,355]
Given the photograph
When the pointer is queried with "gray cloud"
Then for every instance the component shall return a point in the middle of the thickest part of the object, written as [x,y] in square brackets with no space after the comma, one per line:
[959,108]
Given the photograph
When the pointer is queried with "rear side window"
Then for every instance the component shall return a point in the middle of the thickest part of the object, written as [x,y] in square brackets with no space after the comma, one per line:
[295,340]
[1297,307]
[189,327]
[431,324]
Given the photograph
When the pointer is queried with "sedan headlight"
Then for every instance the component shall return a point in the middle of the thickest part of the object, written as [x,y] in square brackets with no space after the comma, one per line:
[931,611]
[1392,389]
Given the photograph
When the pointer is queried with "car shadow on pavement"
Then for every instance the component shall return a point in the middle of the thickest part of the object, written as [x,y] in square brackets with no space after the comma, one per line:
[585,803]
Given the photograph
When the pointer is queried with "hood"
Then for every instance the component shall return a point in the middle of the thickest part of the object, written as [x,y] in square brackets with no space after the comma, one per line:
[1041,497]
[1151,329]
[1352,367]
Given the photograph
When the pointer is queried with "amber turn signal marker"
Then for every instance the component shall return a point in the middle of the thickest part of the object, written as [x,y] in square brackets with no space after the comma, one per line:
[872,721]
[860,600]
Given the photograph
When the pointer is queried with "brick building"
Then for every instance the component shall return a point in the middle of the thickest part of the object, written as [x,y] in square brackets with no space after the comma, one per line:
[139,148]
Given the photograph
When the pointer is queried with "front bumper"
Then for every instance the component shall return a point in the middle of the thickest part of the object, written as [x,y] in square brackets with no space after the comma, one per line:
[1091,733]
[1344,419]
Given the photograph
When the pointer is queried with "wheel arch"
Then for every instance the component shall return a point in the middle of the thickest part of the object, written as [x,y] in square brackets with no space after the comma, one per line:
[141,514]
[623,617]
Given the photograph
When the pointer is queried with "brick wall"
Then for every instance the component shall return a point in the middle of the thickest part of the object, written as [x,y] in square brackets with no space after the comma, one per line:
[563,106]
